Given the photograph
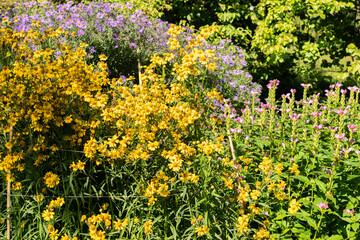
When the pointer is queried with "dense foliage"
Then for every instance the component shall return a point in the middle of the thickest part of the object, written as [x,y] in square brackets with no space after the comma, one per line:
[294,41]
[171,143]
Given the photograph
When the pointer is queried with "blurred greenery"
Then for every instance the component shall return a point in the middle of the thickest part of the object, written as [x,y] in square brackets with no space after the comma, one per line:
[293,41]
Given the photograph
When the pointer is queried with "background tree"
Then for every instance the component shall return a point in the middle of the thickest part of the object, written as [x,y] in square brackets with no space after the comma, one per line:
[294,41]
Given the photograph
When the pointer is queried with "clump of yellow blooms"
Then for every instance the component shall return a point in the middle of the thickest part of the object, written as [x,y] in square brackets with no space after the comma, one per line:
[53,232]
[243,223]
[78,166]
[294,206]
[17,186]
[148,227]
[96,220]
[147,123]
[157,187]
[201,231]
[120,225]
[265,166]
[51,179]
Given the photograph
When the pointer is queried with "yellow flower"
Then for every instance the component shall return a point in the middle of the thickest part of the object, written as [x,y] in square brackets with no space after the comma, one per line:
[39,198]
[201,231]
[83,218]
[105,206]
[51,179]
[148,227]
[243,224]
[102,57]
[262,233]
[294,206]
[65,237]
[48,215]
[193,221]
[119,225]
[17,186]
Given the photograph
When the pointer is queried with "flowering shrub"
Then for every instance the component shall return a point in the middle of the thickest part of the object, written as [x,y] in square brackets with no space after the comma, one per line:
[129,38]
[90,157]
[138,151]
[296,165]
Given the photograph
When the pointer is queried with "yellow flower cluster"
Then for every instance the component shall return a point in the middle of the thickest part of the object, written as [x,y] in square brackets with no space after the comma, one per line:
[265,166]
[201,231]
[17,186]
[51,179]
[185,177]
[209,148]
[155,187]
[243,223]
[262,233]
[98,219]
[43,91]
[120,225]
[56,203]
[78,166]
[48,214]
[148,227]
[294,206]
[175,30]
[53,232]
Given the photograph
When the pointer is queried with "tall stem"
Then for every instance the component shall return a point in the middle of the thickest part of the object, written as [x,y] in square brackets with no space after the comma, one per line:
[8,203]
[139,65]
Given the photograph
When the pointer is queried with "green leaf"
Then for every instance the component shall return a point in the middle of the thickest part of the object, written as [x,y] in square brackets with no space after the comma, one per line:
[354,164]
[321,185]
[280,216]
[355,226]
[336,237]
[302,178]
[308,219]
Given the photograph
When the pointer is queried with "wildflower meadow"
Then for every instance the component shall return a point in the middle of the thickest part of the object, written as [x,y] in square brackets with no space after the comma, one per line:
[116,124]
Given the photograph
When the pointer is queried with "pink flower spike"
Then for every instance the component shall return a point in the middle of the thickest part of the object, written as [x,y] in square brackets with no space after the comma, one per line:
[339,85]
[323,205]
[348,211]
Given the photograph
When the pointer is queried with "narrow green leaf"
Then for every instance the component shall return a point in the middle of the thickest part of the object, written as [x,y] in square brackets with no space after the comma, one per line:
[302,178]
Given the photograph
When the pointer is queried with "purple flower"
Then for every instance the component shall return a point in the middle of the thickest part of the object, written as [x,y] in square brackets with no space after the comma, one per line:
[132,45]
[57,54]
[129,5]
[351,127]
[62,40]
[92,49]
[323,205]
[81,32]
